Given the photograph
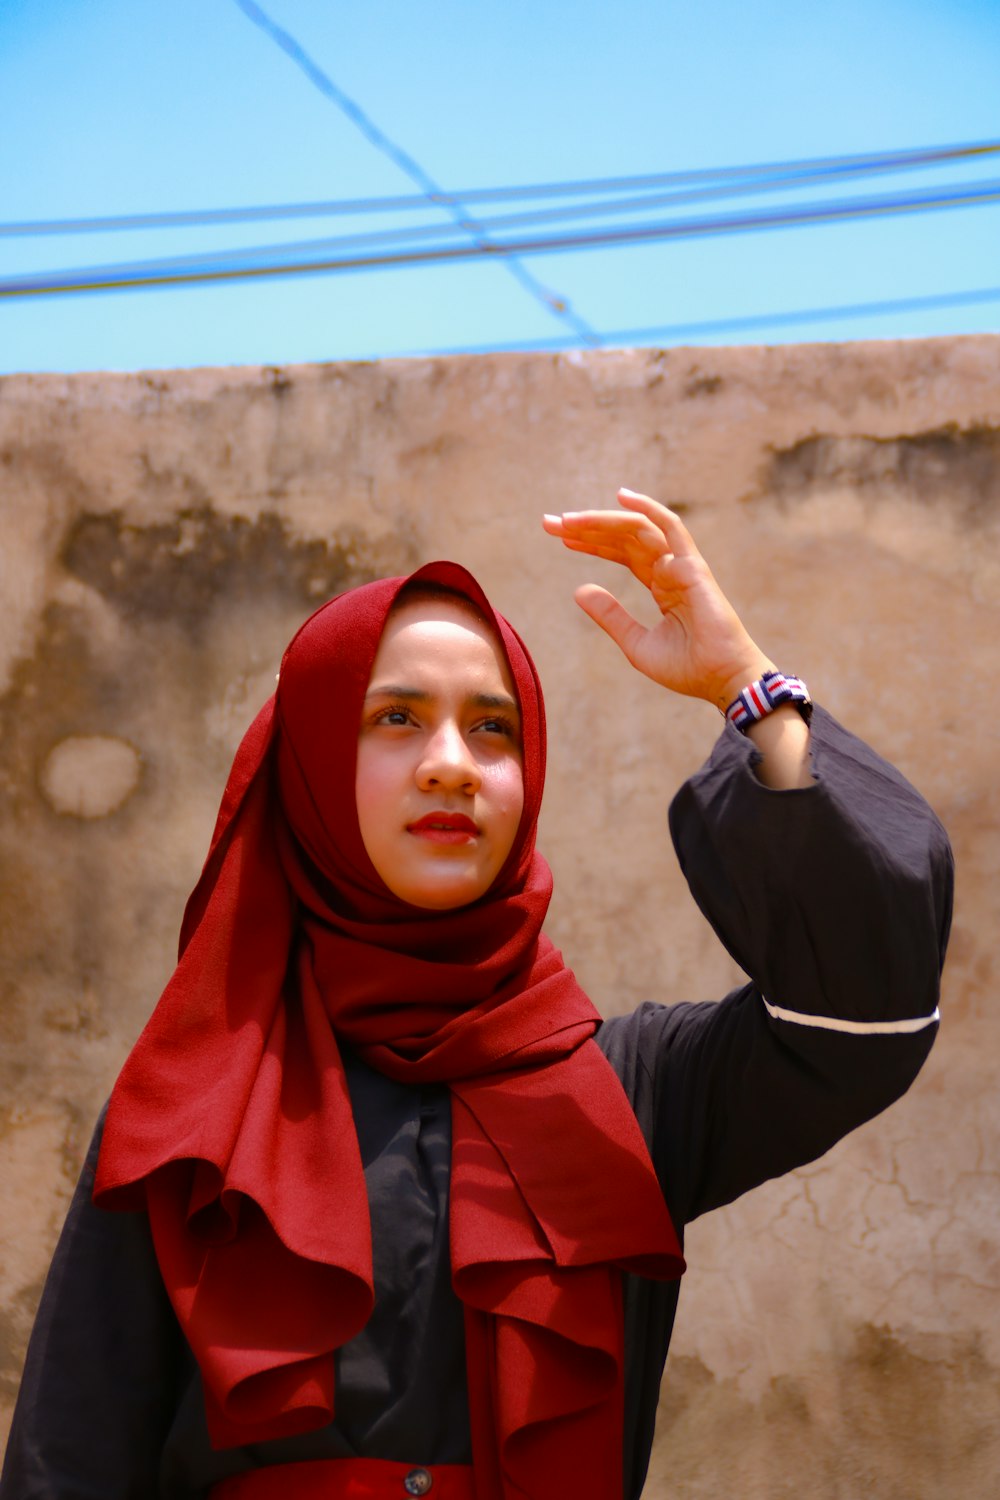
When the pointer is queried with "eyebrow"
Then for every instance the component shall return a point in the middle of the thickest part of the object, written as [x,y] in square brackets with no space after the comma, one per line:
[417,695]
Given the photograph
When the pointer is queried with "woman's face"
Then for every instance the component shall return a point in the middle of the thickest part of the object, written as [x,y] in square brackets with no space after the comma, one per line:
[439,786]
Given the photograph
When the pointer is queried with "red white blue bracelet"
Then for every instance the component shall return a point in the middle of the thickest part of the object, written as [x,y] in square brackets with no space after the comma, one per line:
[760,698]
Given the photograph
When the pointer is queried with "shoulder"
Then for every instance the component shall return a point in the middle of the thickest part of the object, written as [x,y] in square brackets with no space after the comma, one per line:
[643,1046]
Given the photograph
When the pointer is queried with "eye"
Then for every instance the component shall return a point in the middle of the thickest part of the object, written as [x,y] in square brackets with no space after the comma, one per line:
[499,725]
[396,715]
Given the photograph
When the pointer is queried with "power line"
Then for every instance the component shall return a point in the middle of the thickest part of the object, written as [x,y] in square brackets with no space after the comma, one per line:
[769,175]
[241,264]
[408,236]
[550,300]
[629,337]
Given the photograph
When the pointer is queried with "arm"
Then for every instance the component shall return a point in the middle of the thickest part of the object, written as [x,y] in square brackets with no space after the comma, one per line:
[99,1388]
[836,899]
[833,893]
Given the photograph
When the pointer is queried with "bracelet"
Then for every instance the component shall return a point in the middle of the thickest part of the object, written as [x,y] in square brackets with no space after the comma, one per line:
[760,698]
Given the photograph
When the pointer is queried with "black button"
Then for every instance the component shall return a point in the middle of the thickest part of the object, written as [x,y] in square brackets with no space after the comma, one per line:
[418,1482]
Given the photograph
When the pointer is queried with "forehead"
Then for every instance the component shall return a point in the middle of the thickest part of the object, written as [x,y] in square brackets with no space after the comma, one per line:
[442,636]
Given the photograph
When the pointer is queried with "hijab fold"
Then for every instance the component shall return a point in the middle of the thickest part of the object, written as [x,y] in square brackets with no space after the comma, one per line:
[231,1123]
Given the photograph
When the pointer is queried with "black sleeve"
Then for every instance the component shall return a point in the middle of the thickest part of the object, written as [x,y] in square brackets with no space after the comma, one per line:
[836,900]
[99,1388]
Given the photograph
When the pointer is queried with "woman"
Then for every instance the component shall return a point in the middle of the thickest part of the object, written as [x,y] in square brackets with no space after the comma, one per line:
[382,1207]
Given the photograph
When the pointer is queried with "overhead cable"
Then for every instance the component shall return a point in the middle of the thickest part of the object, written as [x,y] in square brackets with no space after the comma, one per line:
[767,176]
[550,300]
[678,332]
[407,236]
[237,265]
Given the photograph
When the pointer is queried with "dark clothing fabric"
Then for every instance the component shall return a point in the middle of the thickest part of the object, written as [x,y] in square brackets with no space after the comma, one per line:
[834,898]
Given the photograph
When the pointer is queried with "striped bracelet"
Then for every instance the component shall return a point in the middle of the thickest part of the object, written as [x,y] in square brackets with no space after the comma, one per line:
[760,698]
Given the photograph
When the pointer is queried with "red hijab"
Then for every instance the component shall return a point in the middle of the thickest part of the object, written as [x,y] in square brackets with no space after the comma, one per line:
[231,1123]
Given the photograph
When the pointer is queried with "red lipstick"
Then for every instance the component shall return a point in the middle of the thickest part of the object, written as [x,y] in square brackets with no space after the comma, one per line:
[444,828]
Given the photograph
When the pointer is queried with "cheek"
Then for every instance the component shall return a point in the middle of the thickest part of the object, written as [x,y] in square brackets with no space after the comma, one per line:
[503,783]
[375,789]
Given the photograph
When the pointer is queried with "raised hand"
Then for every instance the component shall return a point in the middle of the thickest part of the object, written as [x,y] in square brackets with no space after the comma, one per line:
[699,645]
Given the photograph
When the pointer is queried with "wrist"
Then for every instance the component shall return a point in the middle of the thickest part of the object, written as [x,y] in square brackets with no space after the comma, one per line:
[751,670]
[758,699]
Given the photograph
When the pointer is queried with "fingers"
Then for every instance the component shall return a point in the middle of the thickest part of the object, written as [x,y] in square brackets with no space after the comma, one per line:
[679,540]
[631,541]
[595,549]
[613,618]
[641,521]
[627,536]
[579,523]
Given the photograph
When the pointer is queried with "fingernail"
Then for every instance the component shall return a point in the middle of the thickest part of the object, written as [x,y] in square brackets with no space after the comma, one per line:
[632,494]
[547,517]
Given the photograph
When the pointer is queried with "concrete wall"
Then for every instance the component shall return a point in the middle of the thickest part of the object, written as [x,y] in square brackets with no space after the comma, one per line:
[162,535]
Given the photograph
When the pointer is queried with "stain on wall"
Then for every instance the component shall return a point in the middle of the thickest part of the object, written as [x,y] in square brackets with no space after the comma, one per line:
[165,534]
[884,1425]
[190,568]
[89,775]
[950,466]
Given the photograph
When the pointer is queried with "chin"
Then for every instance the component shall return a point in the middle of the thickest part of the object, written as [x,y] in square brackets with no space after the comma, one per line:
[450,902]
[444,897]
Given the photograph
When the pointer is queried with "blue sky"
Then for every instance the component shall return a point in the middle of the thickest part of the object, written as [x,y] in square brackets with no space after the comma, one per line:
[111,107]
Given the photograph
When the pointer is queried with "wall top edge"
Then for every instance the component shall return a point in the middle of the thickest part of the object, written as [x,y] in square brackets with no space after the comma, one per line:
[908,351]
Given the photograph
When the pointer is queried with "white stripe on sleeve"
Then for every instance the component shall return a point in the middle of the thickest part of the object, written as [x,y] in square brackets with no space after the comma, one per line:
[853,1028]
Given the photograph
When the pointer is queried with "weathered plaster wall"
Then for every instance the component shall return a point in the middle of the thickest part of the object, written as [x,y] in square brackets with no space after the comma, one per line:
[161,538]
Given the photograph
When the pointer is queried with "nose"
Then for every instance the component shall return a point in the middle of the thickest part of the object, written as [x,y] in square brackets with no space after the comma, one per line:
[448,762]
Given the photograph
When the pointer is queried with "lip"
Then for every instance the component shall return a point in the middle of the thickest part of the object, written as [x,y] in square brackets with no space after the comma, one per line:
[444,828]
